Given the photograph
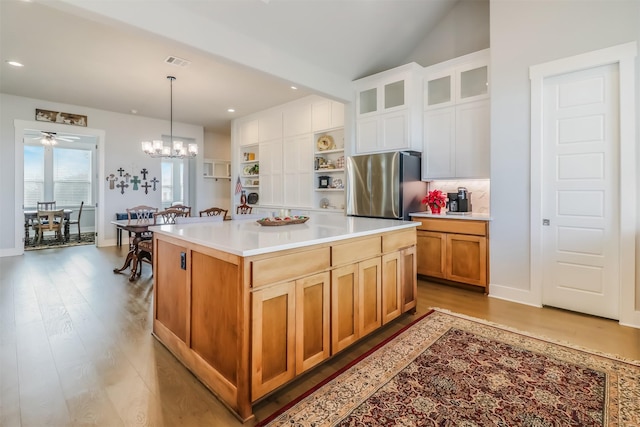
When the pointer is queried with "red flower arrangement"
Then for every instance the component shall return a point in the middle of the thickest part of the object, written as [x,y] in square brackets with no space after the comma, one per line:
[436,200]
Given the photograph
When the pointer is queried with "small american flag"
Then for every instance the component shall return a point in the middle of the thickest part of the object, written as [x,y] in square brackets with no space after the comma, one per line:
[238,186]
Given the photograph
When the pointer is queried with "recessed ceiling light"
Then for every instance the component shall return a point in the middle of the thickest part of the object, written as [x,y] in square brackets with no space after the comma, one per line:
[14,63]
[231,110]
[134,111]
[294,88]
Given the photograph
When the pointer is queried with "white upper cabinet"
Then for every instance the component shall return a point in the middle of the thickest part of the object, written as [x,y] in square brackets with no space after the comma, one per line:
[326,114]
[297,119]
[248,132]
[270,125]
[388,107]
[464,79]
[456,119]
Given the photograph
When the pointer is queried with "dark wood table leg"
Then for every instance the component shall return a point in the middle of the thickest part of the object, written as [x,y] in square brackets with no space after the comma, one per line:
[26,232]
[131,257]
[66,231]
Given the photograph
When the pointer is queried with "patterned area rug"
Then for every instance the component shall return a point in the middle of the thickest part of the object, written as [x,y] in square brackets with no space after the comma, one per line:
[50,242]
[451,370]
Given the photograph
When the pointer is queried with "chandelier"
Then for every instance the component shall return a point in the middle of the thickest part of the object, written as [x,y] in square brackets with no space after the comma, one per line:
[178,150]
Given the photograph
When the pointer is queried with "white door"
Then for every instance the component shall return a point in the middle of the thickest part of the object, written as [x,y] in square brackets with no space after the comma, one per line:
[580,192]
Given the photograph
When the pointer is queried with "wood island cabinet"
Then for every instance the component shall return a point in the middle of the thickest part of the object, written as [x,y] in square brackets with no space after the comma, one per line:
[453,249]
[246,325]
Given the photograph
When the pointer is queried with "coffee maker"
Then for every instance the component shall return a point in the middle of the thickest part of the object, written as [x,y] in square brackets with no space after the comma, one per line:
[460,202]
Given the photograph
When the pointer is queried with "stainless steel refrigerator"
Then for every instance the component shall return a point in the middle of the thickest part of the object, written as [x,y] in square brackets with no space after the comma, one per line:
[385,185]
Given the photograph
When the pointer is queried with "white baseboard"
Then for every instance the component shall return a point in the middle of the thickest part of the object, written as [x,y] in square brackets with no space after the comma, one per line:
[11,252]
[514,295]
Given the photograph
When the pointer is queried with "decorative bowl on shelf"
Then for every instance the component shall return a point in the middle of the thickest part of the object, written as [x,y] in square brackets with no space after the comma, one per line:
[325,142]
[288,220]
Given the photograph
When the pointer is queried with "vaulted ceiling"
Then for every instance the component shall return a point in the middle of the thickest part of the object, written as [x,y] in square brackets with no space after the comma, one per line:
[80,56]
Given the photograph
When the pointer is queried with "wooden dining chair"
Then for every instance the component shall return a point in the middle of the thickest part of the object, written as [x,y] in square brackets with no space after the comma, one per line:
[49,220]
[141,214]
[214,212]
[243,209]
[77,220]
[144,253]
[183,208]
[169,215]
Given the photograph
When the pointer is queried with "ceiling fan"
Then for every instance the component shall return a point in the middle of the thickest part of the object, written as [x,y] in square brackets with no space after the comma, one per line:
[52,138]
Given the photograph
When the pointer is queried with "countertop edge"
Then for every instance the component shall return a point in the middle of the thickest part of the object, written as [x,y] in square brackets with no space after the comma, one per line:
[472,217]
[167,230]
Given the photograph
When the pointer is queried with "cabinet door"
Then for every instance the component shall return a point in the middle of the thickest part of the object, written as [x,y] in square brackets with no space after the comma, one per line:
[439,90]
[297,119]
[326,114]
[344,307]
[431,256]
[473,81]
[368,135]
[298,177]
[370,295]
[391,287]
[171,290]
[395,130]
[409,278]
[467,259]
[472,130]
[273,338]
[249,132]
[312,321]
[270,155]
[439,151]
[270,125]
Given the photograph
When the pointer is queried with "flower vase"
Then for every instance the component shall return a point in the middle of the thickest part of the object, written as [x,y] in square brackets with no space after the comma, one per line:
[435,209]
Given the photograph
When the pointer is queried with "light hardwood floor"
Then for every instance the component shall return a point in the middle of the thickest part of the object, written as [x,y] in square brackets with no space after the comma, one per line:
[76,346]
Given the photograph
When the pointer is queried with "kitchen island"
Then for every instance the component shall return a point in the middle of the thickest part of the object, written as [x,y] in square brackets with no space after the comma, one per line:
[247,308]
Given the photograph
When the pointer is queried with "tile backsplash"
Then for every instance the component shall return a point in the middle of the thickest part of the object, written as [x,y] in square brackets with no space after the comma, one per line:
[480,190]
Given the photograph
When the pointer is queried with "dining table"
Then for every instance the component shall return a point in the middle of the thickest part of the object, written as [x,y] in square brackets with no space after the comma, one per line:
[31,214]
[138,230]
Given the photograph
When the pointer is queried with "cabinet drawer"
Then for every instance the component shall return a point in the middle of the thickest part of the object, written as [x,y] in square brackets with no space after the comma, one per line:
[285,267]
[477,228]
[354,251]
[398,240]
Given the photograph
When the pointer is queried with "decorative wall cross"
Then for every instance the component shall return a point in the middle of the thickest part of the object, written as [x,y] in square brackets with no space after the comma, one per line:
[146,187]
[144,173]
[127,176]
[154,181]
[111,179]
[135,181]
[120,170]
[122,186]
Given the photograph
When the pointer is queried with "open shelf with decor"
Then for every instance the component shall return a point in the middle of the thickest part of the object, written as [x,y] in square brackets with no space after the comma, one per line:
[216,169]
[329,164]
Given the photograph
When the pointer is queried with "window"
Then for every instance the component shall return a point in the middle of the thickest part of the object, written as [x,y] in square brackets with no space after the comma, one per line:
[172,182]
[60,173]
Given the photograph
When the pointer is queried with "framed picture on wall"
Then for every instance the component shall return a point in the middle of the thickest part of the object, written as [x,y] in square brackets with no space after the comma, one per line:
[46,115]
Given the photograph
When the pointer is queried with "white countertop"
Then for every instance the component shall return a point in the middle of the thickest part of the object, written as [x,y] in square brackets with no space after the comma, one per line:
[472,216]
[245,237]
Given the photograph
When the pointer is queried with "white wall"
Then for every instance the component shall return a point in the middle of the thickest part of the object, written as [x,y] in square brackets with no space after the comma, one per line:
[526,33]
[121,148]
[464,30]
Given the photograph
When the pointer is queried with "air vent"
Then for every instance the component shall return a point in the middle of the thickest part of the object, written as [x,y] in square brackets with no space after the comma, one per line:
[178,62]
